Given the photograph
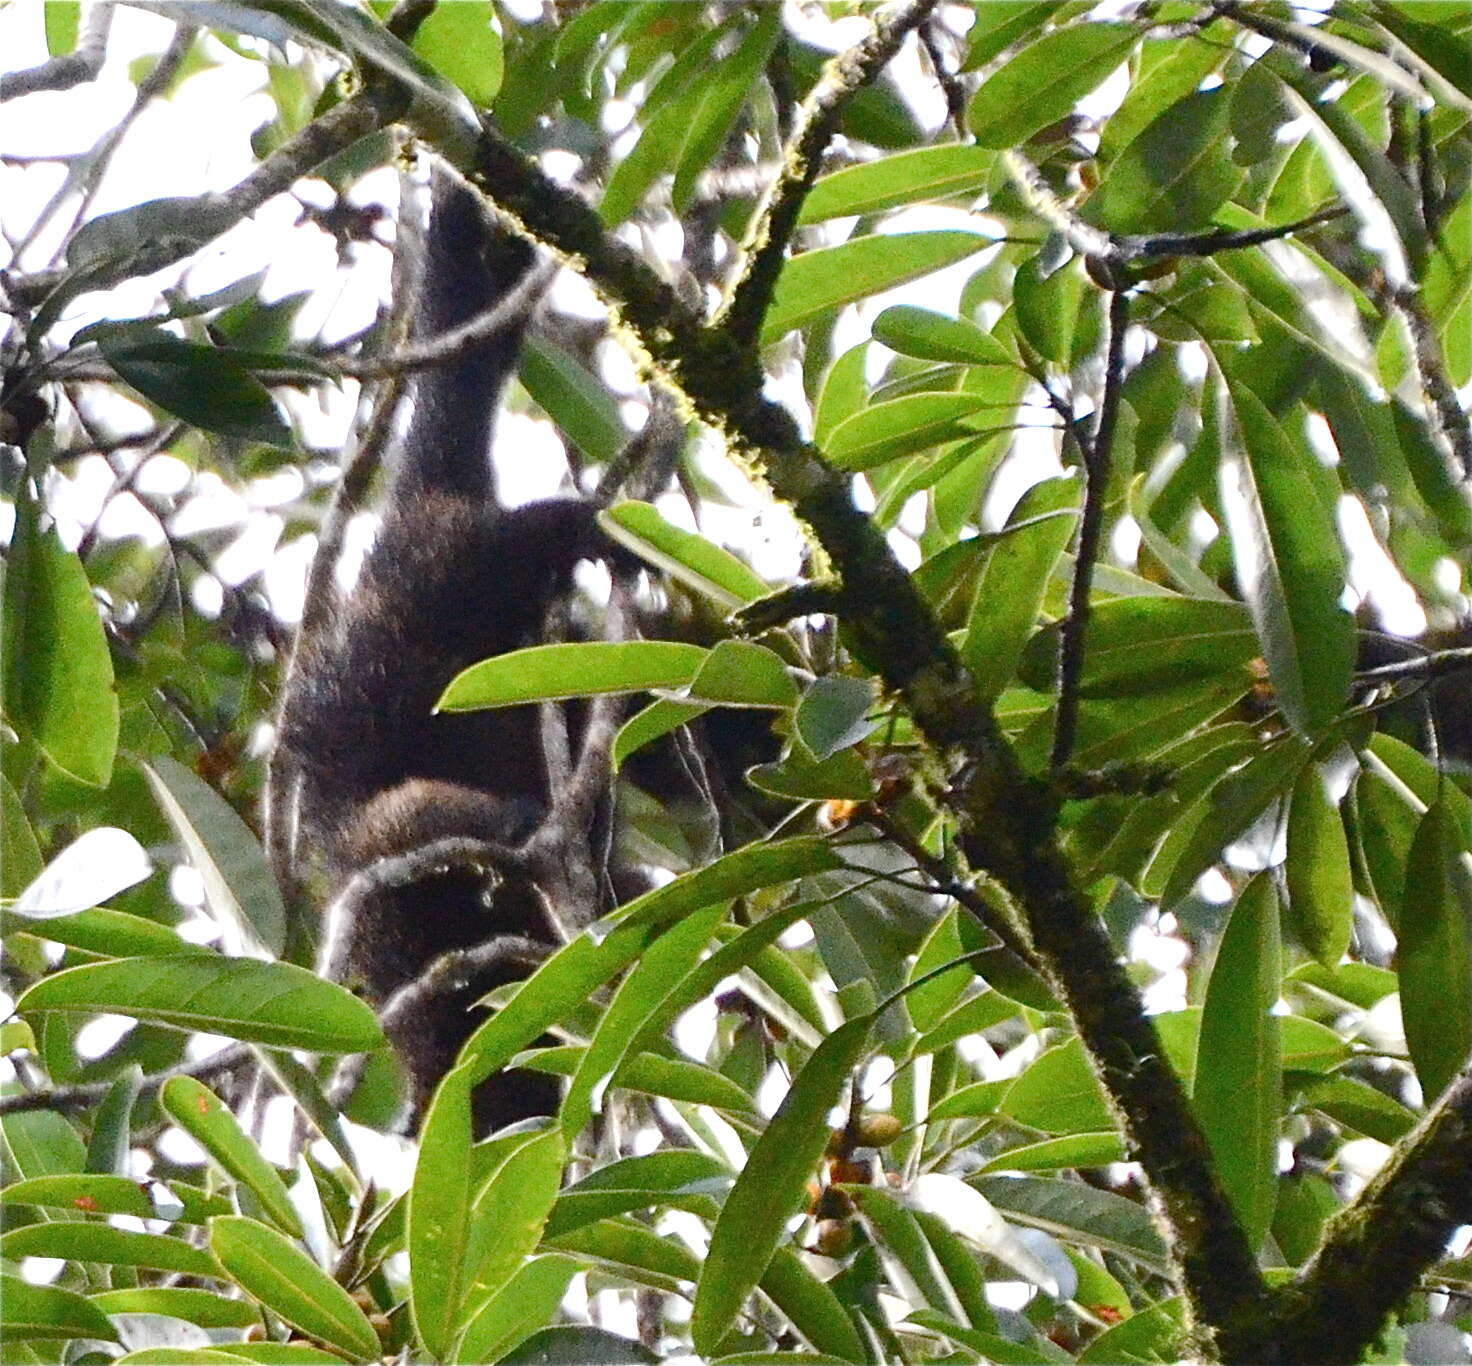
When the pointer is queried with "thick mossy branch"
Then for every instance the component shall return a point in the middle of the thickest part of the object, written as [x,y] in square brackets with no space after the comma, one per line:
[1375,1251]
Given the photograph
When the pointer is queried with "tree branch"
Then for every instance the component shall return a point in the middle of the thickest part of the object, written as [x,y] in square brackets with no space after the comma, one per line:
[67,1098]
[1097,461]
[818,120]
[78,66]
[1376,1249]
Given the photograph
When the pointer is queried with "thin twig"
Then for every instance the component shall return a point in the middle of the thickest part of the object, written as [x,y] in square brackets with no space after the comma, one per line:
[818,120]
[1436,664]
[79,1097]
[76,67]
[1098,460]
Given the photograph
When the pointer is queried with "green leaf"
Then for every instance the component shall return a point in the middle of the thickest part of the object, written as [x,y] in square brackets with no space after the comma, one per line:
[1077,1213]
[1047,306]
[107,1149]
[635,1183]
[723,93]
[581,669]
[1059,1093]
[649,723]
[842,776]
[113,934]
[771,1185]
[239,888]
[1320,881]
[1142,645]
[100,1193]
[506,1220]
[834,714]
[571,1344]
[198,1111]
[1435,960]
[32,1313]
[1176,174]
[923,175]
[637,1005]
[463,44]
[63,20]
[844,390]
[1043,82]
[991,1347]
[1238,1091]
[1289,563]
[936,336]
[64,696]
[740,673]
[207,387]
[79,1242]
[902,426]
[438,1228]
[576,400]
[202,1307]
[20,855]
[1013,581]
[528,1300]
[280,1276]
[271,1003]
[1359,1107]
[812,1306]
[819,281]
[1051,1154]
[42,1143]
[709,569]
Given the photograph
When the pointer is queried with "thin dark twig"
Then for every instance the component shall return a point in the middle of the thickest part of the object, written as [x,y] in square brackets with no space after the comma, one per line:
[1437,664]
[79,1097]
[950,82]
[1098,459]
[818,121]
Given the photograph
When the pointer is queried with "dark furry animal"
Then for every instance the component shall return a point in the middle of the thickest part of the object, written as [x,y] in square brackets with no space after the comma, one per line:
[411,814]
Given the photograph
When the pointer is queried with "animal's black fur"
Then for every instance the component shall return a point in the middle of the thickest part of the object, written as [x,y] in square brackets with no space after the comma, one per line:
[450,579]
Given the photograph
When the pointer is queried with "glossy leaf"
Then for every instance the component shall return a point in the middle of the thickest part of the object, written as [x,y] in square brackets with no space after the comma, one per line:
[277,1274]
[1239,1062]
[1289,565]
[580,669]
[702,565]
[936,336]
[922,175]
[817,281]
[198,1111]
[903,426]
[270,1003]
[79,1242]
[1044,81]
[239,888]
[770,1186]
[1435,961]
[31,1313]
[1320,881]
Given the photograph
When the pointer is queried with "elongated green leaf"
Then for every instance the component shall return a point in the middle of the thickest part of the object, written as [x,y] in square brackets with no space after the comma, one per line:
[573,397]
[919,176]
[1051,1154]
[1011,585]
[648,724]
[581,669]
[507,1218]
[277,1274]
[198,1111]
[704,566]
[1238,1091]
[576,1344]
[239,889]
[78,1242]
[736,874]
[1176,174]
[270,1003]
[817,281]
[98,1193]
[113,934]
[887,431]
[438,1228]
[1289,564]
[834,714]
[770,1186]
[739,673]
[638,1002]
[204,385]
[634,1183]
[1043,82]
[20,854]
[992,1347]
[1435,963]
[1078,1213]
[528,1300]
[1320,881]
[462,43]
[112,1131]
[936,336]
[1059,1094]
[202,1307]
[1149,644]
[57,672]
[32,1313]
